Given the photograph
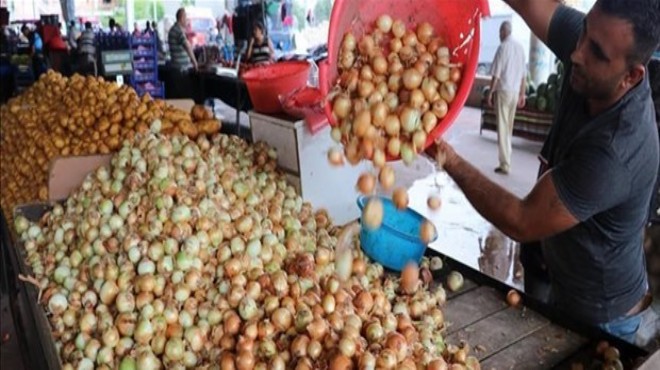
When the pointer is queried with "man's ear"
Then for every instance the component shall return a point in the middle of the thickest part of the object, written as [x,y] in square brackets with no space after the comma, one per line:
[634,76]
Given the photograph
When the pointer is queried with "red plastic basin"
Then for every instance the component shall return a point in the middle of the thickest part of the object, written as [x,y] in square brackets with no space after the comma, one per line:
[457,21]
[265,84]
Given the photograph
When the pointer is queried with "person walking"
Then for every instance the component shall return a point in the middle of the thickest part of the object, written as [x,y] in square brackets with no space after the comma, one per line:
[582,224]
[507,91]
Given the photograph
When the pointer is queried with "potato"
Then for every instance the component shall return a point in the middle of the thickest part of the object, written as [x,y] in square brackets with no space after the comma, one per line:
[209,127]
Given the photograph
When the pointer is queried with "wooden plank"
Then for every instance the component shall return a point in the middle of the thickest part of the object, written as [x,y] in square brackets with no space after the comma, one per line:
[468,286]
[544,349]
[471,307]
[498,331]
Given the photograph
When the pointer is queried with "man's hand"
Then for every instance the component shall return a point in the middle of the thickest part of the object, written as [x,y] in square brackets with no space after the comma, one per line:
[489,98]
[521,101]
[442,153]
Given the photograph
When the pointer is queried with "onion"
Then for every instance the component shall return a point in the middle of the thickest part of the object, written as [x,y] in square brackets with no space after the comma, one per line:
[392,125]
[340,362]
[454,281]
[513,298]
[434,203]
[412,78]
[410,278]
[282,319]
[362,123]
[363,302]
[391,101]
[366,73]
[372,214]
[407,153]
[335,157]
[379,158]
[299,346]
[409,118]
[427,232]
[416,98]
[448,91]
[441,73]
[400,198]
[419,140]
[348,43]
[366,183]
[443,55]
[398,28]
[386,176]
[314,349]
[384,23]
[386,359]
[367,45]
[409,39]
[395,45]
[429,121]
[245,360]
[317,329]
[407,55]
[57,304]
[455,74]
[379,114]
[341,106]
[379,65]
[440,108]
[365,88]
[424,32]
[379,95]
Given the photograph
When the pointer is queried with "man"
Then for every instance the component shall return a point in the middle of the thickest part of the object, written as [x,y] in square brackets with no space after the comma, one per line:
[599,165]
[181,53]
[508,86]
[87,49]
[72,35]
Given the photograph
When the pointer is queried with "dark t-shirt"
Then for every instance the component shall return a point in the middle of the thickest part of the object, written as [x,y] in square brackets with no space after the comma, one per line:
[604,169]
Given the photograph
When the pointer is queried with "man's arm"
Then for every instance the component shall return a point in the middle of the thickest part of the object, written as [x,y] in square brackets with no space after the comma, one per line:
[539,215]
[189,50]
[249,51]
[537,14]
[523,90]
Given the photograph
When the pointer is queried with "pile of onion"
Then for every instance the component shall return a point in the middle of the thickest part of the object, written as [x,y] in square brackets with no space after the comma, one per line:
[198,254]
[395,85]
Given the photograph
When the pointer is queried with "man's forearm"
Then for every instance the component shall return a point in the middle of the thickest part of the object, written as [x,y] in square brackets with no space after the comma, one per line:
[494,203]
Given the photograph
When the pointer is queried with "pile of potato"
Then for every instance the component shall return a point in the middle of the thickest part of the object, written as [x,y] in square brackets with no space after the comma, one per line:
[60,116]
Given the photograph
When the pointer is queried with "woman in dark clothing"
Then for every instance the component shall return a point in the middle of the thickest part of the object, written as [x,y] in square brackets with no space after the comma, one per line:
[260,50]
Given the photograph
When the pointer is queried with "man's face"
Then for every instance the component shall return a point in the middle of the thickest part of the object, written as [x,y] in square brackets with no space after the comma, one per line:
[599,61]
[184,18]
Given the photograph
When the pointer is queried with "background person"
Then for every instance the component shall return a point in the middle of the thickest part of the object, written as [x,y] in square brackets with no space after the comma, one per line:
[260,50]
[181,53]
[507,86]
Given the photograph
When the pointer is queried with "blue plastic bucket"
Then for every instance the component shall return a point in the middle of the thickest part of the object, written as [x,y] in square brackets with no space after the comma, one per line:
[396,242]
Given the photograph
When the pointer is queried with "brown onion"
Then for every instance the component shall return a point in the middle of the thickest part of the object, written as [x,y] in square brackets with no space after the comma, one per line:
[427,232]
[386,176]
[400,198]
[412,78]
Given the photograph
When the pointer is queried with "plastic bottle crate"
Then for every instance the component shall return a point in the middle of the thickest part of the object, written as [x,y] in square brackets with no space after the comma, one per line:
[157,90]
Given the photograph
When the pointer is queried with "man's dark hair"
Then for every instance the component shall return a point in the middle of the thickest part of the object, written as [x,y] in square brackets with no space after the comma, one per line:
[179,13]
[260,26]
[88,25]
[72,23]
[112,23]
[644,16]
